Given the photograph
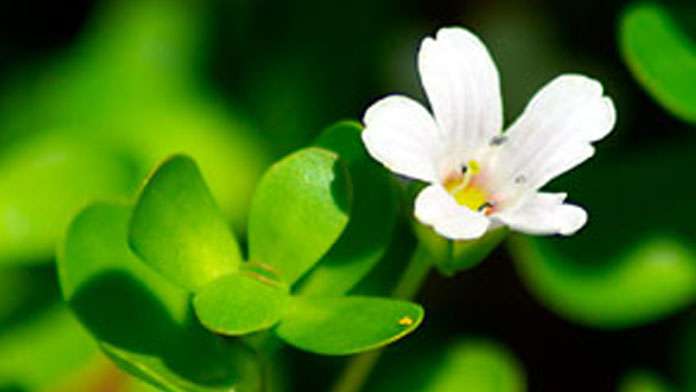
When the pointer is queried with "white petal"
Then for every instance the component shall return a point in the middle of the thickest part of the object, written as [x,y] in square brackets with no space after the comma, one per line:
[554,133]
[545,213]
[462,84]
[437,208]
[402,135]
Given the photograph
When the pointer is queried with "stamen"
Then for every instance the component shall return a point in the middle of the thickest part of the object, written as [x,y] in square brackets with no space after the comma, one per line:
[466,189]
[474,166]
[486,208]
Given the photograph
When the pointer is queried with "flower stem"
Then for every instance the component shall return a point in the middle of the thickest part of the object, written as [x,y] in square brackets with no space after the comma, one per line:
[359,368]
[414,275]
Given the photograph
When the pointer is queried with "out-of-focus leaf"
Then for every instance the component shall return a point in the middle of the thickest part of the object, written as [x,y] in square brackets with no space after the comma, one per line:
[346,325]
[635,262]
[477,366]
[299,210]
[142,320]
[239,304]
[643,381]
[178,229]
[26,290]
[661,57]
[652,280]
[132,86]
[43,181]
[462,365]
[44,351]
[372,217]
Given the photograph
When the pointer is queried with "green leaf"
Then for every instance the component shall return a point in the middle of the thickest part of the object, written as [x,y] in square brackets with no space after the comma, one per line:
[471,364]
[643,381]
[478,366]
[138,315]
[372,218]
[44,180]
[634,261]
[661,57]
[239,304]
[178,229]
[650,281]
[299,210]
[347,325]
[46,350]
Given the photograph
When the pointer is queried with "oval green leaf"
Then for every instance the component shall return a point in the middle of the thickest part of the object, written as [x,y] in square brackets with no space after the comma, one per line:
[347,325]
[138,315]
[372,217]
[239,304]
[178,229]
[650,281]
[299,210]
[643,381]
[470,364]
[661,57]
[477,366]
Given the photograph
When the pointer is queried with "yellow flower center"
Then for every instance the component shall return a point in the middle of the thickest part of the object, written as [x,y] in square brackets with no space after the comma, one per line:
[465,190]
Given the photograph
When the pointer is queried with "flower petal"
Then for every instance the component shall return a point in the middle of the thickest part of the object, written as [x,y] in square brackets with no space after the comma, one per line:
[545,213]
[402,135]
[437,208]
[462,84]
[554,133]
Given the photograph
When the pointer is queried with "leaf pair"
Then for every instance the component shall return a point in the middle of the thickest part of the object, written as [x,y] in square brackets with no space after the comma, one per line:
[297,227]
[141,320]
[301,207]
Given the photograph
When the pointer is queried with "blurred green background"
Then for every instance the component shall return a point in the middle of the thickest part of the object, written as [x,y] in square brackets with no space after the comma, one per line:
[94,93]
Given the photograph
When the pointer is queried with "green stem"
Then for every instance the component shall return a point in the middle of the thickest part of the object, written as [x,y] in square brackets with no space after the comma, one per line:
[267,347]
[359,368]
[414,275]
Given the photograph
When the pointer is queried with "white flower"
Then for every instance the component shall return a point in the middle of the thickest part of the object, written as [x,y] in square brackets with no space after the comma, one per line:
[481,178]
